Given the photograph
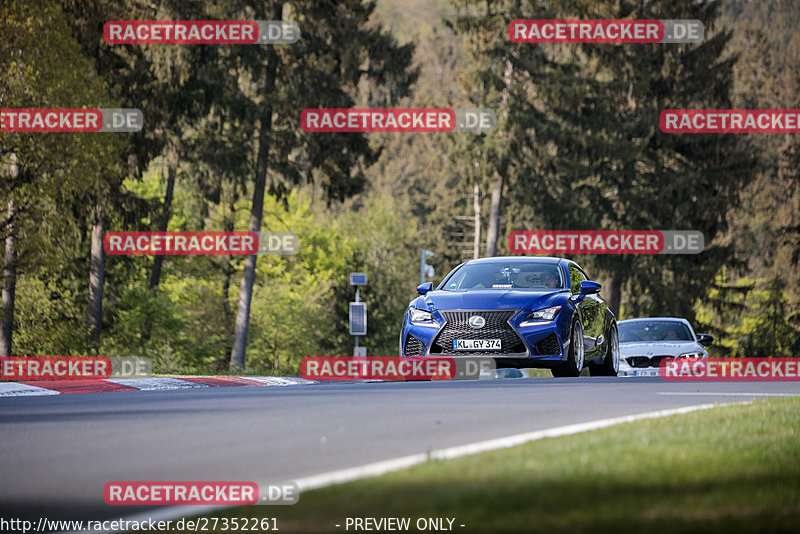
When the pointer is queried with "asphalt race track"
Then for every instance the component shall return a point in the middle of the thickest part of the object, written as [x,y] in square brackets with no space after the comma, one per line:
[59,451]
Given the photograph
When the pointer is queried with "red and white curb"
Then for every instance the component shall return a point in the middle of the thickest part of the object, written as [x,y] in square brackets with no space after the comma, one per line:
[59,387]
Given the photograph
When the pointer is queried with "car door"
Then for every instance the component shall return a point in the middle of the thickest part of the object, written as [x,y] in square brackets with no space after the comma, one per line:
[592,311]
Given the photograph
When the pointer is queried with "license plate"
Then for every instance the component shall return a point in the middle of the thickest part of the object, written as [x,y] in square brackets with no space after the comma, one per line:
[645,372]
[477,344]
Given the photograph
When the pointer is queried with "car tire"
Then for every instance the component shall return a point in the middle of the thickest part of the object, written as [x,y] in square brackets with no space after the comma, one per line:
[610,365]
[575,356]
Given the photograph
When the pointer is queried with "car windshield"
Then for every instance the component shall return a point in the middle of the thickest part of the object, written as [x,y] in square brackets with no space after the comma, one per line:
[653,331]
[518,275]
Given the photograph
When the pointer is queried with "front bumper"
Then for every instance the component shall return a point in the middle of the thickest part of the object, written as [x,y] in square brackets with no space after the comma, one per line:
[542,342]
[643,371]
[641,365]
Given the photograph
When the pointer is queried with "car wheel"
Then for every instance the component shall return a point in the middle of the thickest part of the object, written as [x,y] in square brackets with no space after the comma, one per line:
[610,365]
[574,364]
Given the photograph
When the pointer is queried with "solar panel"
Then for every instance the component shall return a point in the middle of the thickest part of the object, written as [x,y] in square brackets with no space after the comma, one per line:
[358,279]
[358,319]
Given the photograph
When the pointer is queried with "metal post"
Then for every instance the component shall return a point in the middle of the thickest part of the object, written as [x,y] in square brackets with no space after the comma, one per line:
[358,279]
[358,294]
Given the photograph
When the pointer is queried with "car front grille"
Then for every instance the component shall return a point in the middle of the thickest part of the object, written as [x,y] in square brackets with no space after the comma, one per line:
[645,361]
[413,347]
[548,346]
[496,327]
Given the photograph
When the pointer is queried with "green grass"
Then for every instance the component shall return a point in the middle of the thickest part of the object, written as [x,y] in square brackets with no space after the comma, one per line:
[729,469]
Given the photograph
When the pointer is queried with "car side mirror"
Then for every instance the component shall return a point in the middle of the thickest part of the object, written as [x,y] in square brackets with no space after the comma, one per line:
[705,339]
[589,288]
[423,289]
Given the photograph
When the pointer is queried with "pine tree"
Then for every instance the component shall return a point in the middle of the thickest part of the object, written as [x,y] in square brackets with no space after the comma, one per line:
[312,73]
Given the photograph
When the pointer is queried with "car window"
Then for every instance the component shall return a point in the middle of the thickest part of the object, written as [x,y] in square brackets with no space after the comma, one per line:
[653,331]
[576,276]
[497,275]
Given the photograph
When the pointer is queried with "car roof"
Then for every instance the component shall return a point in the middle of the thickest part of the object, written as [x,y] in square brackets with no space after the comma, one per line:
[672,319]
[644,319]
[517,259]
[655,319]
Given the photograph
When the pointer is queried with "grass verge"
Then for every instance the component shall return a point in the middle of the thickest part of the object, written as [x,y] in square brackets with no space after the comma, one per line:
[728,470]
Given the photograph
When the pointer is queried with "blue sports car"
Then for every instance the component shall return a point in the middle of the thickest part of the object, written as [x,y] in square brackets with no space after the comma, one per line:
[520,311]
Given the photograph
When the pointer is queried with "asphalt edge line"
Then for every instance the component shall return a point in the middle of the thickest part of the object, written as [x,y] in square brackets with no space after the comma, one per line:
[386,466]
[383,467]
[730,394]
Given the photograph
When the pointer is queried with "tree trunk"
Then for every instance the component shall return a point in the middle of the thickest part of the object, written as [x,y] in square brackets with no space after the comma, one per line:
[494,216]
[96,274]
[228,271]
[172,170]
[497,182]
[166,213]
[9,273]
[476,207]
[249,275]
[613,292]
[256,211]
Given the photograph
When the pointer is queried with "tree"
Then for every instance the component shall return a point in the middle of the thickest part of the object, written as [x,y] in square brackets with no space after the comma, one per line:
[771,333]
[605,165]
[763,227]
[160,82]
[43,67]
[10,268]
[311,73]
[493,85]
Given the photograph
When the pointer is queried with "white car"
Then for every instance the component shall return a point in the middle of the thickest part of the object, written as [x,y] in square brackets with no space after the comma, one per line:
[643,343]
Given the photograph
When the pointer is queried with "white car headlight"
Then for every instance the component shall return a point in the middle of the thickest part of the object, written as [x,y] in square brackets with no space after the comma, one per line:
[547,314]
[420,316]
[697,354]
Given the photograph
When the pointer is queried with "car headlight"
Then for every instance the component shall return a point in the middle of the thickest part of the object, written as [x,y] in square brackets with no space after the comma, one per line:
[697,354]
[420,316]
[547,314]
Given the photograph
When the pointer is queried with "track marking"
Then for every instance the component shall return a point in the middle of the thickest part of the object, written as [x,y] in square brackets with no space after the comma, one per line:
[280,380]
[70,387]
[17,389]
[375,469]
[156,383]
[55,387]
[710,394]
[387,466]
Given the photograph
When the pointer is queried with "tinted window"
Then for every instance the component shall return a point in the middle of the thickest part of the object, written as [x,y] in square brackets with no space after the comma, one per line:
[517,275]
[576,276]
[653,331]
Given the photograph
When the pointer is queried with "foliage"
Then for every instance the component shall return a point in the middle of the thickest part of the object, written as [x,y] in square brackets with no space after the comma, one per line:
[44,206]
[771,332]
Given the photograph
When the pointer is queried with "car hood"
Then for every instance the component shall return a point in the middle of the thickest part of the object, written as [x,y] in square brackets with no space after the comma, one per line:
[489,299]
[659,348]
